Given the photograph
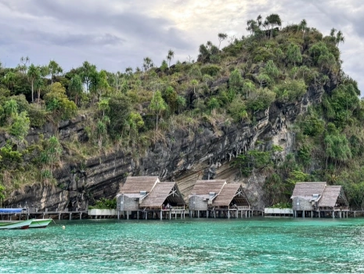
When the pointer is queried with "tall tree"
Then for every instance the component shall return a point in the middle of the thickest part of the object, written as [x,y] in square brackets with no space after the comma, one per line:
[170,55]
[294,53]
[52,153]
[23,66]
[54,69]
[87,72]
[157,106]
[303,27]
[273,20]
[147,63]
[75,87]
[39,83]
[33,75]
[222,37]
[339,38]
[9,80]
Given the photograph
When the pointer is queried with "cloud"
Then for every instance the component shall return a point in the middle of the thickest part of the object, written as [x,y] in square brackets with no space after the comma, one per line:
[117,34]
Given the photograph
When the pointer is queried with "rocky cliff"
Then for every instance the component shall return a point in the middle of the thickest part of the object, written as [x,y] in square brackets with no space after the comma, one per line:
[183,158]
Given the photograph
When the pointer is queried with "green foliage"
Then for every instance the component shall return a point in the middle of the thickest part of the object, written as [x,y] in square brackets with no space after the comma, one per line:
[2,194]
[235,81]
[170,97]
[304,155]
[262,54]
[337,147]
[260,100]
[58,103]
[271,70]
[157,106]
[341,104]
[118,112]
[294,54]
[312,126]
[297,176]
[237,109]
[271,67]
[52,152]
[252,159]
[213,103]
[211,70]
[10,158]
[75,88]
[290,90]
[20,126]
[104,203]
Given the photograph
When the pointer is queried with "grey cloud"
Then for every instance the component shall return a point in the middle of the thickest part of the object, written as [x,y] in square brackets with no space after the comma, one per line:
[128,22]
[132,30]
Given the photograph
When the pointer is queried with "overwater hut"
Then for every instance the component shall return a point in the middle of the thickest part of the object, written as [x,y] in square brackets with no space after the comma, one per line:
[217,198]
[317,199]
[164,200]
[144,196]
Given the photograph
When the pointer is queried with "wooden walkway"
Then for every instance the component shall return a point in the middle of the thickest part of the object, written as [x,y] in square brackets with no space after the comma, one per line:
[61,215]
[166,213]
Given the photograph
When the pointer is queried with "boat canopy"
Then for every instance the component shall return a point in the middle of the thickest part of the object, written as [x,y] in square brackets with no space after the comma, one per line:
[10,210]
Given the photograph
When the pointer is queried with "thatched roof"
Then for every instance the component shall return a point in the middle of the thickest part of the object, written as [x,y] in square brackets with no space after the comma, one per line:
[226,195]
[330,196]
[307,189]
[139,183]
[160,193]
[204,187]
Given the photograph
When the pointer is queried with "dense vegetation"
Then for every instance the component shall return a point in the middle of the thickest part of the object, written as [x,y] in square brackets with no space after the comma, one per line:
[135,108]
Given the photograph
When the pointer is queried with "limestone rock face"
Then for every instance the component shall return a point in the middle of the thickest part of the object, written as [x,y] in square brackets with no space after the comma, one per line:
[182,157]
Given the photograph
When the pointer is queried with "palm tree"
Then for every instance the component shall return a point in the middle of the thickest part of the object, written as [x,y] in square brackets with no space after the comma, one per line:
[273,20]
[23,66]
[339,37]
[170,55]
[303,27]
[252,26]
[147,64]
[33,75]
[222,37]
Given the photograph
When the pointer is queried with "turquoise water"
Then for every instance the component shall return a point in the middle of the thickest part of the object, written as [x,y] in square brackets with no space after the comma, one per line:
[190,245]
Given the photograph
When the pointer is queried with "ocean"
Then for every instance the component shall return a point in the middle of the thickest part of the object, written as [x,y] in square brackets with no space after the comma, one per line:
[256,245]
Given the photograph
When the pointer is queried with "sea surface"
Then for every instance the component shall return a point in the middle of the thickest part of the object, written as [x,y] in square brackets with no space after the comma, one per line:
[184,246]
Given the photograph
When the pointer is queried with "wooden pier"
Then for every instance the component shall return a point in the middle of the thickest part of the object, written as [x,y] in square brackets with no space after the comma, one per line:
[58,214]
[162,214]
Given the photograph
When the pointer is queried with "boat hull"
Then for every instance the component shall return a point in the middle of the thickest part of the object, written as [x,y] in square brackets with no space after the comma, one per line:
[15,224]
[40,223]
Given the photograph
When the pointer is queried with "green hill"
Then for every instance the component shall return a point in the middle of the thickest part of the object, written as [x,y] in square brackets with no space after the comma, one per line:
[59,128]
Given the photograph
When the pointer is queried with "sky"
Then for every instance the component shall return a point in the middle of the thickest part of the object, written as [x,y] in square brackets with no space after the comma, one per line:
[116,34]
